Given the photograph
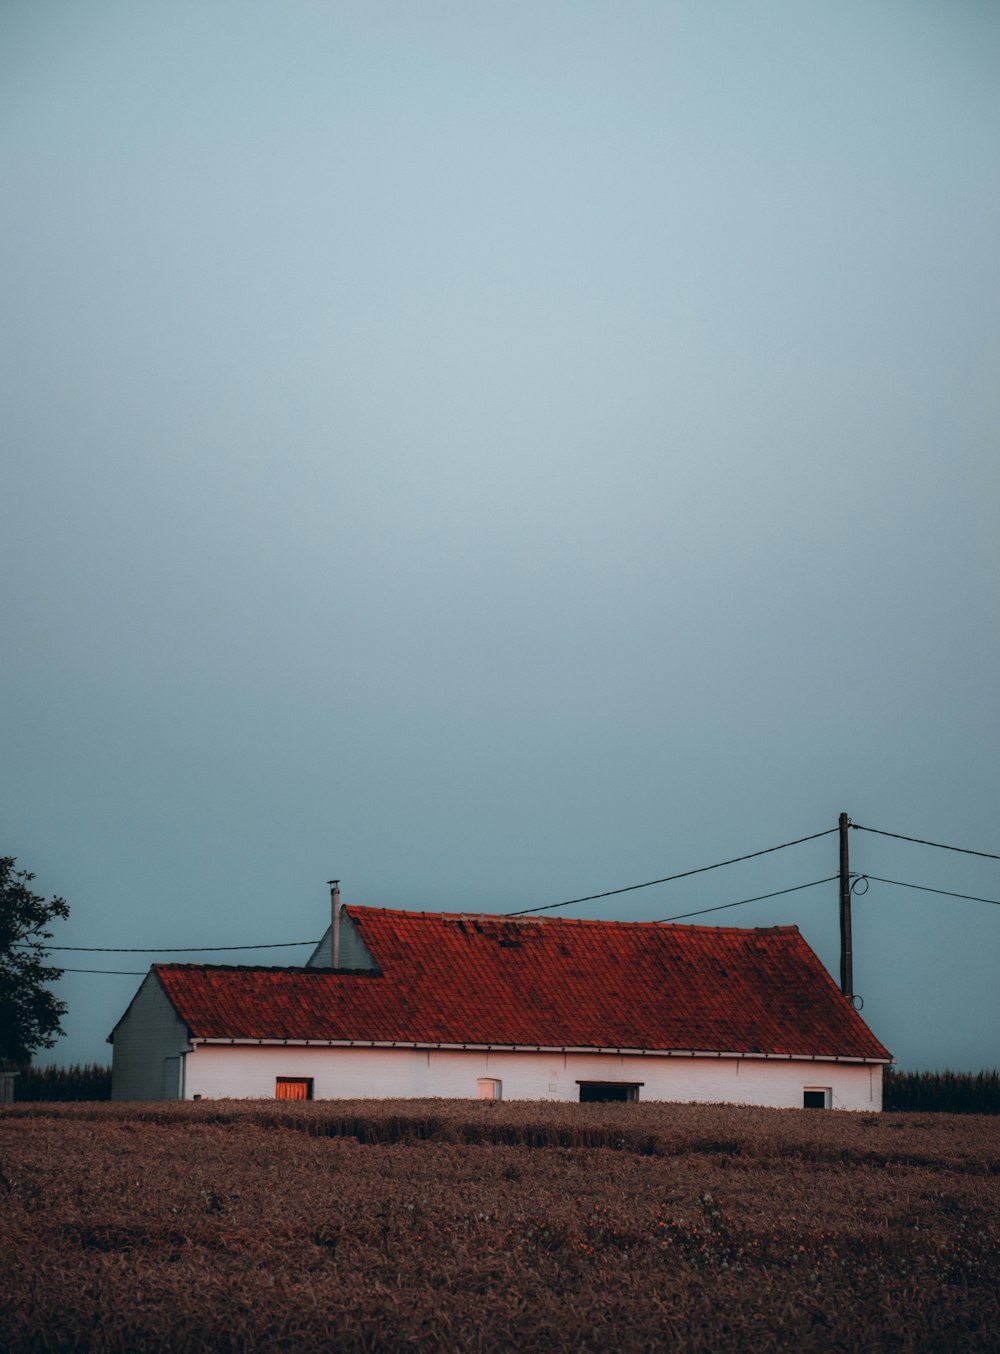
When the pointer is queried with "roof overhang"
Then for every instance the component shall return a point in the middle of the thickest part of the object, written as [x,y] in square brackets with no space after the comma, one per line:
[430,1046]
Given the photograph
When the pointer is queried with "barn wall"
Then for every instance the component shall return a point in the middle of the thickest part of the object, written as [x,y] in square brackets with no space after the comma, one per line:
[354,953]
[214,1071]
[146,1047]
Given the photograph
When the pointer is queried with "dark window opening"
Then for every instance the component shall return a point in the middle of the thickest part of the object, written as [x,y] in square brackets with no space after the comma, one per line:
[816,1099]
[293,1088]
[604,1092]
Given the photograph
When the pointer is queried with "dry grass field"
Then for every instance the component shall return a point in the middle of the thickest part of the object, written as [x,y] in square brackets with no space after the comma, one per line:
[461,1226]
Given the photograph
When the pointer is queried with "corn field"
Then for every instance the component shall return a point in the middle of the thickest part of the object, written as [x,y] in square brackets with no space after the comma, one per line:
[454,1226]
[953,1092]
[90,1081]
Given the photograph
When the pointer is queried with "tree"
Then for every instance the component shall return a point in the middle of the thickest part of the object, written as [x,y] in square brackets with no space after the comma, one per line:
[29,1013]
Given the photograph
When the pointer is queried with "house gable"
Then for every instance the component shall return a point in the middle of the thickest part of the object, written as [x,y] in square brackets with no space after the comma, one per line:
[354,953]
[148,1044]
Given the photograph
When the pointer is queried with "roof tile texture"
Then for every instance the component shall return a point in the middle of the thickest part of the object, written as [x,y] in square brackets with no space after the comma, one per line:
[457,979]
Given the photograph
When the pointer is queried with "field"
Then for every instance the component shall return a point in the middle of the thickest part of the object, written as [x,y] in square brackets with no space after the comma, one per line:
[462,1226]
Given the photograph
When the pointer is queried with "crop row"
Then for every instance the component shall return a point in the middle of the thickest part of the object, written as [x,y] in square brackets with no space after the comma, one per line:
[966,1143]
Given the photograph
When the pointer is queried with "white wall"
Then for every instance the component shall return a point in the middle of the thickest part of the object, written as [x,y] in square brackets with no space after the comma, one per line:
[354,953]
[146,1048]
[348,1073]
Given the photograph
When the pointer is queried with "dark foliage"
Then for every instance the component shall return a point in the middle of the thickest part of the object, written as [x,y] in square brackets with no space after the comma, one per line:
[950,1092]
[88,1082]
[29,1013]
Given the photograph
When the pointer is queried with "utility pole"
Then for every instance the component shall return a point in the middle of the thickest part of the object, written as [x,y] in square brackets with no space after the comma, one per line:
[846,957]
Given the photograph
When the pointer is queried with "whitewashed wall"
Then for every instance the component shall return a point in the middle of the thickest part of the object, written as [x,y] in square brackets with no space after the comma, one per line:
[147,1046]
[354,953]
[348,1073]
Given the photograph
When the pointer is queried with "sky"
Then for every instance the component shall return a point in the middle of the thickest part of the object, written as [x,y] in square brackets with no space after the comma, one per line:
[495,454]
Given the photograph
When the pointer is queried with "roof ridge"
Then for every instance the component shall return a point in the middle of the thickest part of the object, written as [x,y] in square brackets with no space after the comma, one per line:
[263,968]
[467,915]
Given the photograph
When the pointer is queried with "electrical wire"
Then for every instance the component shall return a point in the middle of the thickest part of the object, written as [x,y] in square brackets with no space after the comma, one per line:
[167,949]
[723,906]
[679,916]
[111,972]
[568,902]
[684,874]
[969,897]
[701,912]
[942,846]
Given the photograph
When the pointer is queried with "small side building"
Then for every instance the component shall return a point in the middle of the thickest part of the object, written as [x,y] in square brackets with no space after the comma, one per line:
[455,1005]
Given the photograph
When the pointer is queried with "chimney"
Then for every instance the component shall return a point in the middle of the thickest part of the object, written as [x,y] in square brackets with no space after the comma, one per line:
[334,923]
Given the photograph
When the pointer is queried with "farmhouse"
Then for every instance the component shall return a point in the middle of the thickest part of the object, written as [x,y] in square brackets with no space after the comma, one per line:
[432,1004]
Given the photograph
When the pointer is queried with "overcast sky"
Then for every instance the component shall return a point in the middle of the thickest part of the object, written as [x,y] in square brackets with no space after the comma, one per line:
[497,453]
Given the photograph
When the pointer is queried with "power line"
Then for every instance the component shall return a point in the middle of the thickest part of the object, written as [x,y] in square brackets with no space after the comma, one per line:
[684,874]
[701,912]
[777,893]
[111,972]
[547,907]
[942,846]
[970,897]
[167,949]
[680,916]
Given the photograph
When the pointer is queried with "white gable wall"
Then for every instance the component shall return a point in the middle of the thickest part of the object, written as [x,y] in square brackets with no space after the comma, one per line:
[250,1071]
[354,953]
[147,1047]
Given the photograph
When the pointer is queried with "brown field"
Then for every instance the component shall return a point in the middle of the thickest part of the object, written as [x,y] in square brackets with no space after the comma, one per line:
[440,1225]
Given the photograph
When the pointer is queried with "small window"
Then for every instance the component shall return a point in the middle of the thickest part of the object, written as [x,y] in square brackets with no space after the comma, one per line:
[293,1088]
[488,1088]
[592,1092]
[816,1098]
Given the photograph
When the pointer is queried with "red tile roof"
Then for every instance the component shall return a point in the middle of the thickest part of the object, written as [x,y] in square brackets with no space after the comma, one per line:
[457,979]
